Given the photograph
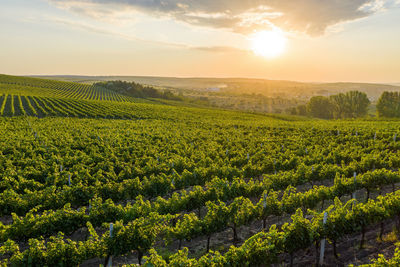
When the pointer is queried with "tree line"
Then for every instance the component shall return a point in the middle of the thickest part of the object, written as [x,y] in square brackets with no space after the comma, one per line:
[353,104]
[138,90]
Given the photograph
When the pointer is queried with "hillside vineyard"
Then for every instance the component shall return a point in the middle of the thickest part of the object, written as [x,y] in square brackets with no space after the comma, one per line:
[37,97]
[159,182]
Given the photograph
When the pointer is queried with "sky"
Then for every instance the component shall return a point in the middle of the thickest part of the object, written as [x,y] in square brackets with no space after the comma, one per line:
[325,40]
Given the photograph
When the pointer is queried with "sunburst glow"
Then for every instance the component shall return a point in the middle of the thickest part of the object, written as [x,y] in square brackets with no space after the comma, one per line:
[268,44]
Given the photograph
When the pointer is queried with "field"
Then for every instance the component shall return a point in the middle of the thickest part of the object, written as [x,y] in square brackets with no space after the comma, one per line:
[163,184]
[40,98]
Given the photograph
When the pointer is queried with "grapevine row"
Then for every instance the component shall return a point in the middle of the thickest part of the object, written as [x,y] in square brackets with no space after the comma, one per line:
[14,105]
[58,89]
[263,248]
[69,220]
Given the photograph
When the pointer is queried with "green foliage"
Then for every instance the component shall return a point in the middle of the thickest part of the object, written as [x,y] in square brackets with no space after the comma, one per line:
[353,104]
[320,107]
[389,105]
[381,261]
[139,235]
[264,247]
[149,177]
[301,110]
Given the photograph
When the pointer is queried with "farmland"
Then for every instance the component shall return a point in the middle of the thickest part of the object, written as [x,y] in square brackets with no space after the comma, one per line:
[40,98]
[89,176]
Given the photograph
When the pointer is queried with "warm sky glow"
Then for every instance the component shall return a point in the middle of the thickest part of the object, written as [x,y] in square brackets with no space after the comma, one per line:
[325,40]
[268,44]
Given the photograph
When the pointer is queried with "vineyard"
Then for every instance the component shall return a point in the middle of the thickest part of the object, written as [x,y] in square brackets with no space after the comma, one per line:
[167,185]
[50,88]
[21,96]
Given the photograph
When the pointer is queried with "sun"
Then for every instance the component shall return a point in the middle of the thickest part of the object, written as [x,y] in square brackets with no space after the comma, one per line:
[268,44]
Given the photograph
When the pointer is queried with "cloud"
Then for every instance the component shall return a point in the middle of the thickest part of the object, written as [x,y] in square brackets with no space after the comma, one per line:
[98,30]
[313,17]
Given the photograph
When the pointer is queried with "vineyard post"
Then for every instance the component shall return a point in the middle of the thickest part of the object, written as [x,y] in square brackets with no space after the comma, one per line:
[394,137]
[265,206]
[356,133]
[321,255]
[69,179]
[248,156]
[375,136]
[109,262]
[274,166]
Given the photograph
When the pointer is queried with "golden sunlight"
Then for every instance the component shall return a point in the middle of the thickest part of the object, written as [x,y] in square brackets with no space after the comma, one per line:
[268,44]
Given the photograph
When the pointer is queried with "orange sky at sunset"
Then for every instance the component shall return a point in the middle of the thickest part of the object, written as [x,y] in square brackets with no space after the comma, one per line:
[311,40]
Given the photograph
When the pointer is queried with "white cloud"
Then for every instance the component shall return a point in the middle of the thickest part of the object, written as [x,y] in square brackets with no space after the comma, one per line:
[307,16]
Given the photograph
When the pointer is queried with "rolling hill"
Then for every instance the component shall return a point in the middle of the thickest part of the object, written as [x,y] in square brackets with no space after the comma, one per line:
[41,97]
[269,88]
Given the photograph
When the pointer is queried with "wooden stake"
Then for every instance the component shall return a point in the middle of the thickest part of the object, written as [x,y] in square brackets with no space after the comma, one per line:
[109,263]
[321,255]
[355,185]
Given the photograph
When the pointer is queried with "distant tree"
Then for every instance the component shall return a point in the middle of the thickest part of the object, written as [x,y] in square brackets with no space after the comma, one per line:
[358,102]
[137,90]
[389,105]
[301,110]
[340,106]
[320,107]
[353,104]
[292,111]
